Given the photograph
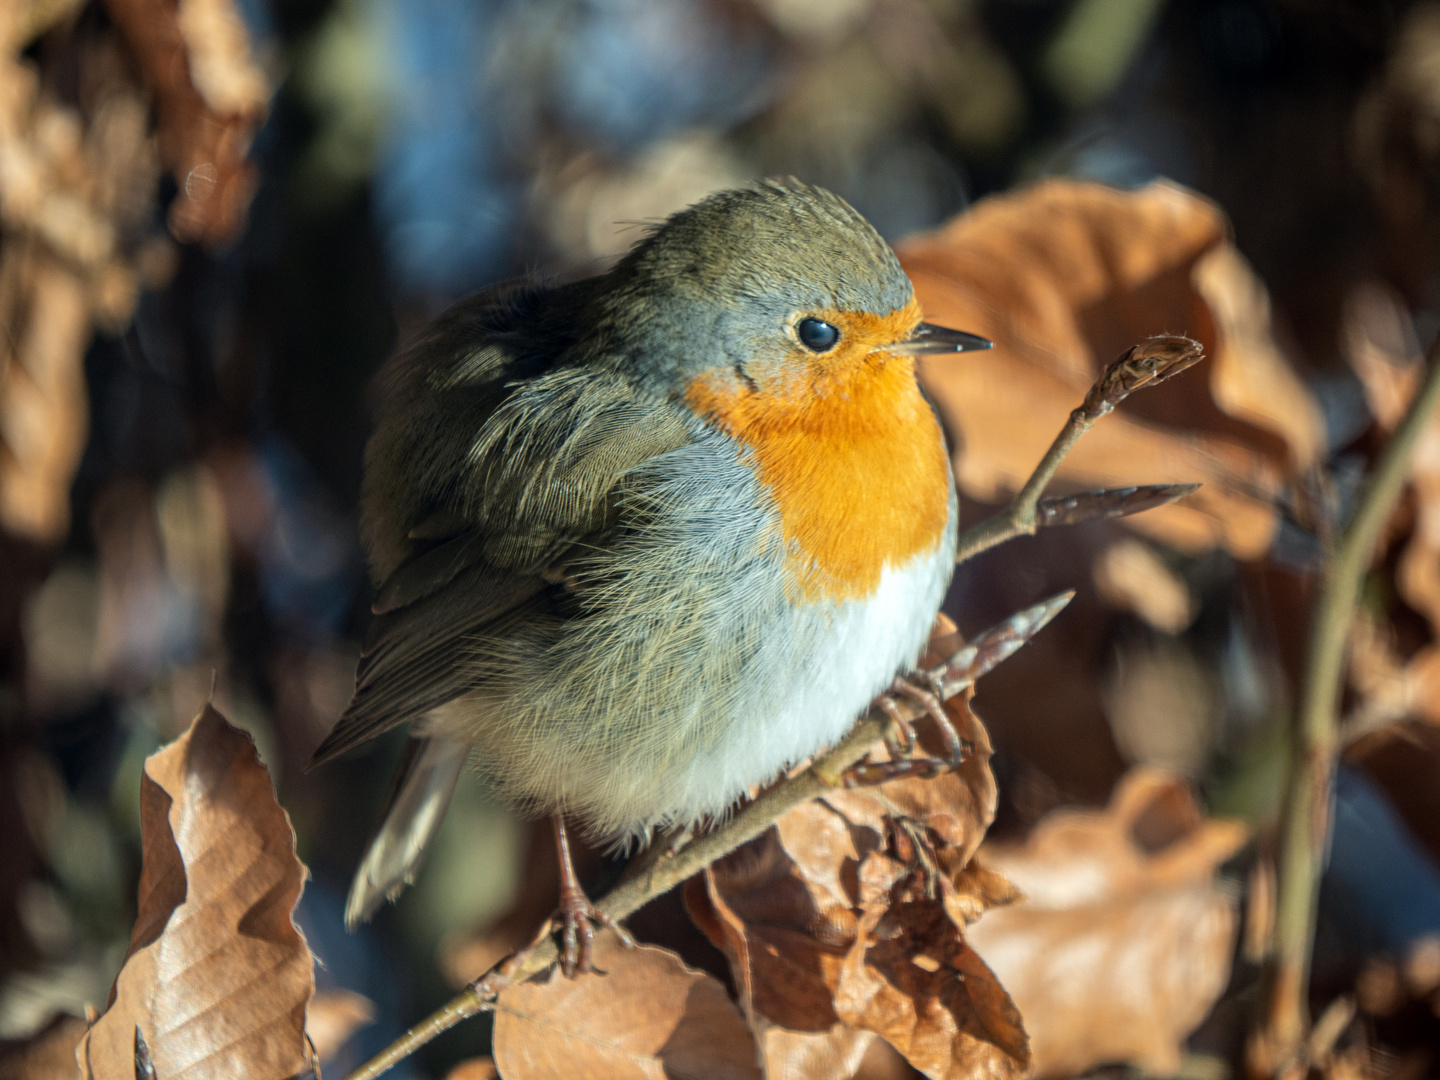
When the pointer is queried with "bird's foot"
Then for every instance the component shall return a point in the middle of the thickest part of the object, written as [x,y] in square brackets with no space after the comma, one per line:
[901,741]
[577,919]
[577,916]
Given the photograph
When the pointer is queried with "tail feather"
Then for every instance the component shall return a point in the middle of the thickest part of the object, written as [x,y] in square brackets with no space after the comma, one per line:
[424,781]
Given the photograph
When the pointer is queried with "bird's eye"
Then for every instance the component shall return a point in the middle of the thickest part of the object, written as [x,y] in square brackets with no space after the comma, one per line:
[817,336]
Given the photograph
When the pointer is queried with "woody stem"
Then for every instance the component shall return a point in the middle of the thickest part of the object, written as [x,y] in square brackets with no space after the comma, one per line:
[1147,364]
[1019,518]
[1307,810]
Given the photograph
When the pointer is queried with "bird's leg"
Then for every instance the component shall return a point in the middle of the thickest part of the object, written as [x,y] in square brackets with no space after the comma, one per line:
[578,915]
[900,739]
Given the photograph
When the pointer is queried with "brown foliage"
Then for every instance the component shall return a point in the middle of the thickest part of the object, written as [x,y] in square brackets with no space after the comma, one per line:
[217,978]
[1063,276]
[642,1014]
[1123,941]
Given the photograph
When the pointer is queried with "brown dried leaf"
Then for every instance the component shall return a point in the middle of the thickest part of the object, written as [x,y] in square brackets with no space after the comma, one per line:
[218,977]
[802,1055]
[648,1016]
[911,978]
[1064,276]
[1131,576]
[49,1054]
[1124,902]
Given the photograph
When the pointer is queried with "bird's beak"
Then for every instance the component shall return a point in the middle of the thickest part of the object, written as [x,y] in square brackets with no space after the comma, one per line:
[928,339]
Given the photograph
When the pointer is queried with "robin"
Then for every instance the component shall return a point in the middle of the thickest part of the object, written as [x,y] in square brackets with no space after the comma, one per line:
[644,540]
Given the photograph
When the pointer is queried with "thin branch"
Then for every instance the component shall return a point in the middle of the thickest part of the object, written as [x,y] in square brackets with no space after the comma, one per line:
[660,870]
[1147,364]
[1309,793]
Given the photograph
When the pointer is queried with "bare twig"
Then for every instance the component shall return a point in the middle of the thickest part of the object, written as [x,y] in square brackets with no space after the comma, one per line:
[1147,364]
[1307,811]
[661,869]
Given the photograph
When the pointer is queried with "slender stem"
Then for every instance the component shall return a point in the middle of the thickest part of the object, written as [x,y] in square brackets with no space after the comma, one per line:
[1147,364]
[1309,792]
[1019,518]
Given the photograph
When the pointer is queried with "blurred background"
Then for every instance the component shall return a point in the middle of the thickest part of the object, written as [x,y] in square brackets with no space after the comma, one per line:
[203,265]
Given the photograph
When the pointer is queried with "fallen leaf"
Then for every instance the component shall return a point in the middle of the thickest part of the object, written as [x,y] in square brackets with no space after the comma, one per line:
[1063,276]
[911,978]
[44,407]
[49,1054]
[333,1016]
[217,978]
[647,1016]
[1123,941]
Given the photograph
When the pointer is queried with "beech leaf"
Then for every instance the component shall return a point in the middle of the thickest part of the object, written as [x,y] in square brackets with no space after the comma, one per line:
[1124,902]
[641,1015]
[218,977]
[1065,275]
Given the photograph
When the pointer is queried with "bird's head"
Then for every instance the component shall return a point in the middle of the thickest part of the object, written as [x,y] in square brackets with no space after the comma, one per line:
[781,287]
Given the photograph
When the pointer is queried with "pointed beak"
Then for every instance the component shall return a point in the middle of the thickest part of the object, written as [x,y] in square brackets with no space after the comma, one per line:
[928,339]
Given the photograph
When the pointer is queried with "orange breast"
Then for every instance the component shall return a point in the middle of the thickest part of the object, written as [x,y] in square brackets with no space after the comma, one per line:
[848,448]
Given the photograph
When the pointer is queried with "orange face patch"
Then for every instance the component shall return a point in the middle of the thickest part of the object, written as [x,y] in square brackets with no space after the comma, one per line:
[848,448]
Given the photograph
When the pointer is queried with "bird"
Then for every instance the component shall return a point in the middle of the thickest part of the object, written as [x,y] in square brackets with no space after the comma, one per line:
[642,541]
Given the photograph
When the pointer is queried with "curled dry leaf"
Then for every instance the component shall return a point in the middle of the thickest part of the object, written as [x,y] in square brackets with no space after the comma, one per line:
[1124,903]
[49,1054]
[910,976]
[1064,276]
[826,916]
[218,977]
[641,1014]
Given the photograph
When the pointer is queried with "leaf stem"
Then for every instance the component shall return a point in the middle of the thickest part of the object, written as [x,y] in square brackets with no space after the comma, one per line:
[1307,809]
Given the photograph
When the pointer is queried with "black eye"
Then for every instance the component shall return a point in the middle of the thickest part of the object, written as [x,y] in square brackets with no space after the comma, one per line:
[817,336]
